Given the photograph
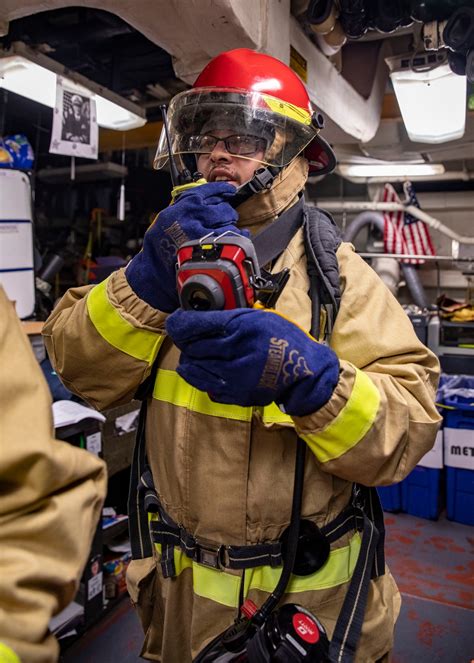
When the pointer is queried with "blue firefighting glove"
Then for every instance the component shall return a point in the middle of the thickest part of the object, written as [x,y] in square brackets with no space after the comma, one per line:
[197,212]
[253,357]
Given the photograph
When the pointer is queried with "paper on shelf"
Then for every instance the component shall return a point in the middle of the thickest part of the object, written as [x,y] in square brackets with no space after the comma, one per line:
[121,546]
[66,413]
[71,614]
[127,422]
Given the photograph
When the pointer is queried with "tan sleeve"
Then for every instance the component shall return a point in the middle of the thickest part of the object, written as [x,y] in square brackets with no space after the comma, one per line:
[382,416]
[102,341]
[52,495]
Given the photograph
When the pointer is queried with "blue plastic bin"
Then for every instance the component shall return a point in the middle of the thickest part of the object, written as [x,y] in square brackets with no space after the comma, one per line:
[460,495]
[421,492]
[423,489]
[391,497]
[460,482]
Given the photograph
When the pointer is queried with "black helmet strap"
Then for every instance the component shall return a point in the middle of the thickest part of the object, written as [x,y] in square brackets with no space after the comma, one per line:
[262,179]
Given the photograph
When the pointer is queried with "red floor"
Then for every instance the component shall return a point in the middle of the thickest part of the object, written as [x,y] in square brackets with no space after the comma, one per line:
[433,565]
[432,560]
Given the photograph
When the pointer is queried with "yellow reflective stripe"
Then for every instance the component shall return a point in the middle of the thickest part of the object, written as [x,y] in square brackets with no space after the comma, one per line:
[7,655]
[171,388]
[350,425]
[337,570]
[118,332]
[223,587]
[288,110]
[273,415]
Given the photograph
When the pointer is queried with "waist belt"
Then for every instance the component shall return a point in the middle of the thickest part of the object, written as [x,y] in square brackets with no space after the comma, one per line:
[216,556]
[220,556]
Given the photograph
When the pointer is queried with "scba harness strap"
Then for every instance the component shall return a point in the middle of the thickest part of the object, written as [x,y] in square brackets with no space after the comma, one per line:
[169,535]
[321,240]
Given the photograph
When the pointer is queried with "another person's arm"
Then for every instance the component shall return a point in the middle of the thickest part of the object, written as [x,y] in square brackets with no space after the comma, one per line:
[51,499]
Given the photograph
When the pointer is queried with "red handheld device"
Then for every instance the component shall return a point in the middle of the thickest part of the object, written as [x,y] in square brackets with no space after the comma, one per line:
[217,273]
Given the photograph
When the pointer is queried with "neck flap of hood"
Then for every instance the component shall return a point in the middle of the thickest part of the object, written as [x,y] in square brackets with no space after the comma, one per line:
[262,208]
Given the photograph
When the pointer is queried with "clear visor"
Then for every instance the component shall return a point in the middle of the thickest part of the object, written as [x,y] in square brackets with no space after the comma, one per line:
[250,125]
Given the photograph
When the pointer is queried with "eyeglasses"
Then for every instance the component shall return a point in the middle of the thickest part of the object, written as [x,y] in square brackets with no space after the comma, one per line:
[237,144]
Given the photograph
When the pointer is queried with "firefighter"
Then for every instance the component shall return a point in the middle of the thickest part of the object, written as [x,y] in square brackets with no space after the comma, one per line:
[234,388]
[50,492]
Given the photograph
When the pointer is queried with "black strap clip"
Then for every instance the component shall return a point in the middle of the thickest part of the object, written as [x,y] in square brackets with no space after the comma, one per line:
[270,286]
[262,179]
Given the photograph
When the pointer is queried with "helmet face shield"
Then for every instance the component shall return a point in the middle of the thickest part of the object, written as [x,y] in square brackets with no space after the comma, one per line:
[250,125]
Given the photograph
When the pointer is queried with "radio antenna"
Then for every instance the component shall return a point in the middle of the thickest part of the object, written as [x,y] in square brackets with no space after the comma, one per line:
[177,177]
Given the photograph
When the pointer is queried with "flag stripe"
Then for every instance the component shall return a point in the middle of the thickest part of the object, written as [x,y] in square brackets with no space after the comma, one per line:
[404,233]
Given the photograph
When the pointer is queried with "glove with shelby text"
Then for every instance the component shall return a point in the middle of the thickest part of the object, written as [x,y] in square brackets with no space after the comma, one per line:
[197,212]
[253,357]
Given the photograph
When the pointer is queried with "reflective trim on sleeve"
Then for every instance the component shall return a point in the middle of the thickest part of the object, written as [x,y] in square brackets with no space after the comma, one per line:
[118,332]
[7,655]
[223,587]
[273,415]
[351,424]
[171,388]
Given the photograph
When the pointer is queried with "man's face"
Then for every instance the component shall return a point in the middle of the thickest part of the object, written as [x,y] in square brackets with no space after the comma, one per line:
[220,165]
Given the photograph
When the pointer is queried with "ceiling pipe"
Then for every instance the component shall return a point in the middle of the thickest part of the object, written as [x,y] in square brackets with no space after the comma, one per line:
[363,219]
[449,176]
[412,256]
[412,279]
[338,206]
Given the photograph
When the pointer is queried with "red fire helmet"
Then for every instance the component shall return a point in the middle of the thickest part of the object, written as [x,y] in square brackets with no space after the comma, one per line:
[253,94]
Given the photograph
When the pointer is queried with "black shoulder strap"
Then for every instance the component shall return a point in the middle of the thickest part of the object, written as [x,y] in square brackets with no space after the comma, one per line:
[137,516]
[146,387]
[273,240]
[322,238]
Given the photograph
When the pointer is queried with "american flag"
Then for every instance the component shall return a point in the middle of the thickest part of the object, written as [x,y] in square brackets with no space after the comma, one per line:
[403,233]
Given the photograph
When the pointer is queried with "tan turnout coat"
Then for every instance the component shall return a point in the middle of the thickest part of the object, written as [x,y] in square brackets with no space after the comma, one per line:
[51,496]
[229,480]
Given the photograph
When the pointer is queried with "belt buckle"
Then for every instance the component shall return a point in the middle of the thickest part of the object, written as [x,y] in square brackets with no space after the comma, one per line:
[211,556]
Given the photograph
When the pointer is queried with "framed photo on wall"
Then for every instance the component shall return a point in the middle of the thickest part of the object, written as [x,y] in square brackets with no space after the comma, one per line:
[75,130]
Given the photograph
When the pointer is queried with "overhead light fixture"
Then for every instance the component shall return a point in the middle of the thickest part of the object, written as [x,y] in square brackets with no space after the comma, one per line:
[389,170]
[431,97]
[33,75]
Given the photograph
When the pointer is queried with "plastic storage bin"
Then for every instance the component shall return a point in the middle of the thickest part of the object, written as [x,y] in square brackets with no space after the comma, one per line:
[459,458]
[422,488]
[421,493]
[391,497]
